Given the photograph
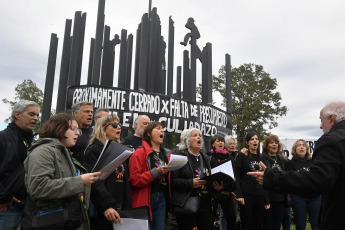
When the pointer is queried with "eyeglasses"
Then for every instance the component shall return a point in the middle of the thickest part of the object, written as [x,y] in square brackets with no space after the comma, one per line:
[75,129]
[114,124]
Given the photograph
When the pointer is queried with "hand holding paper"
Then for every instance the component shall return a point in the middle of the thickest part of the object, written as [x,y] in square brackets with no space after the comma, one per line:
[176,162]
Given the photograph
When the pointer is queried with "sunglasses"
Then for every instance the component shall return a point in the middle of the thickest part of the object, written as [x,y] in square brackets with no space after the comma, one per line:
[114,124]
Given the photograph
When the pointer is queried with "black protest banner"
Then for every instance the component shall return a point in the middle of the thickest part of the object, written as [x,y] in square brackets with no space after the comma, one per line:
[176,114]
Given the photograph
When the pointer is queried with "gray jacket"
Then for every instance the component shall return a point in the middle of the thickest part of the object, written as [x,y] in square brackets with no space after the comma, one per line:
[51,176]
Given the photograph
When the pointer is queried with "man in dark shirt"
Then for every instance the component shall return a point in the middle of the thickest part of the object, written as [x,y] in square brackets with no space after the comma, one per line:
[140,124]
[326,175]
[83,112]
[14,143]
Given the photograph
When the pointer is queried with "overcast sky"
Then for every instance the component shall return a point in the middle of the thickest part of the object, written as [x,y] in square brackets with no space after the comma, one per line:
[300,43]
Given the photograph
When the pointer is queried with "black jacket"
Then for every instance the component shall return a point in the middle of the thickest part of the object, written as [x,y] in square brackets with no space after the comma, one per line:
[106,194]
[14,143]
[326,176]
[269,162]
[182,180]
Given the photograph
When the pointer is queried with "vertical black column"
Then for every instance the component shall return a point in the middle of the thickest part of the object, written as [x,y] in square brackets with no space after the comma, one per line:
[80,48]
[122,61]
[64,69]
[129,62]
[178,82]
[49,85]
[144,49]
[107,59]
[170,58]
[89,72]
[72,73]
[228,83]
[137,59]
[207,74]
[186,77]
[98,44]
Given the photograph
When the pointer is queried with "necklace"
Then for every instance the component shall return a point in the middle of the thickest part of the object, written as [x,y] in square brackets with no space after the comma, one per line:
[274,158]
[196,156]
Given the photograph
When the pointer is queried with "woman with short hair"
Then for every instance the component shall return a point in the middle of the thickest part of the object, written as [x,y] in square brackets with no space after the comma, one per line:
[148,174]
[53,177]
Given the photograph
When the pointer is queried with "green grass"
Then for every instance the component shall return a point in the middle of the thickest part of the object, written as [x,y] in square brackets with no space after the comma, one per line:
[293,227]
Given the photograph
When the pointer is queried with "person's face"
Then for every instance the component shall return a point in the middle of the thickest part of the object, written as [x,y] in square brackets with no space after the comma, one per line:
[141,125]
[111,132]
[100,114]
[71,135]
[218,144]
[231,147]
[195,141]
[326,123]
[272,147]
[301,149]
[84,116]
[157,135]
[253,144]
[28,119]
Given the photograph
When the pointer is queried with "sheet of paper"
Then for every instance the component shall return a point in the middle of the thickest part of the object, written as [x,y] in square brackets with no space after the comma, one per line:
[224,168]
[176,162]
[110,168]
[132,224]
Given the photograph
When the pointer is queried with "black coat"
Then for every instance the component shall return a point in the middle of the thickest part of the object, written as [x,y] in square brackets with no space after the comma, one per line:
[14,143]
[182,180]
[326,176]
[104,194]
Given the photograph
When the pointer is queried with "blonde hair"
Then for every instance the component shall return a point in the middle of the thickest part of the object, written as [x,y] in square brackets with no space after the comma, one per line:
[294,147]
[98,130]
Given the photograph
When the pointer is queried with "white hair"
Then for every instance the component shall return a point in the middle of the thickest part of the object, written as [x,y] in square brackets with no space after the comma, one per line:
[228,139]
[188,133]
[336,108]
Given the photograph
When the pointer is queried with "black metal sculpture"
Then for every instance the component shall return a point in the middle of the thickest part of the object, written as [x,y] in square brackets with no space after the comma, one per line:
[153,75]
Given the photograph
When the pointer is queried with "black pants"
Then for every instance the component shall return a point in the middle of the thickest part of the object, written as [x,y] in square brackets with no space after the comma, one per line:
[229,212]
[252,213]
[202,220]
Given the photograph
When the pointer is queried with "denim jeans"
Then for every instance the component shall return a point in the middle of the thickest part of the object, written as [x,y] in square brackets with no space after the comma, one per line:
[158,206]
[10,219]
[302,206]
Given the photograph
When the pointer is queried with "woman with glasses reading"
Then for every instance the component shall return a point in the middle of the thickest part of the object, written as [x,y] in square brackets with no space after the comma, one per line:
[55,181]
[114,192]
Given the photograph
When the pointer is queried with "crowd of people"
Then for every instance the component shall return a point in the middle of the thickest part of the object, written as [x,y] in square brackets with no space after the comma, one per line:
[47,181]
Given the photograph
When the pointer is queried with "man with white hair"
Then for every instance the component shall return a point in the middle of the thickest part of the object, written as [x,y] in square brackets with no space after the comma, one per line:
[14,143]
[136,139]
[327,173]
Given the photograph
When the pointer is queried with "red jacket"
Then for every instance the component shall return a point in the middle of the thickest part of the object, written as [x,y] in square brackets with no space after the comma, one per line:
[141,176]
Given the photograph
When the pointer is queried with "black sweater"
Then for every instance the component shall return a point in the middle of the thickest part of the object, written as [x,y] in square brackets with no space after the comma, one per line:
[248,184]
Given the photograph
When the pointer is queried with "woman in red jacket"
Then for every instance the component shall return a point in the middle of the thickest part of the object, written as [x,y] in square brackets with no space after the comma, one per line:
[148,175]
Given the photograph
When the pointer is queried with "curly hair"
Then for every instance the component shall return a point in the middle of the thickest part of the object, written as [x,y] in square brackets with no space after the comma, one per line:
[294,148]
[266,142]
